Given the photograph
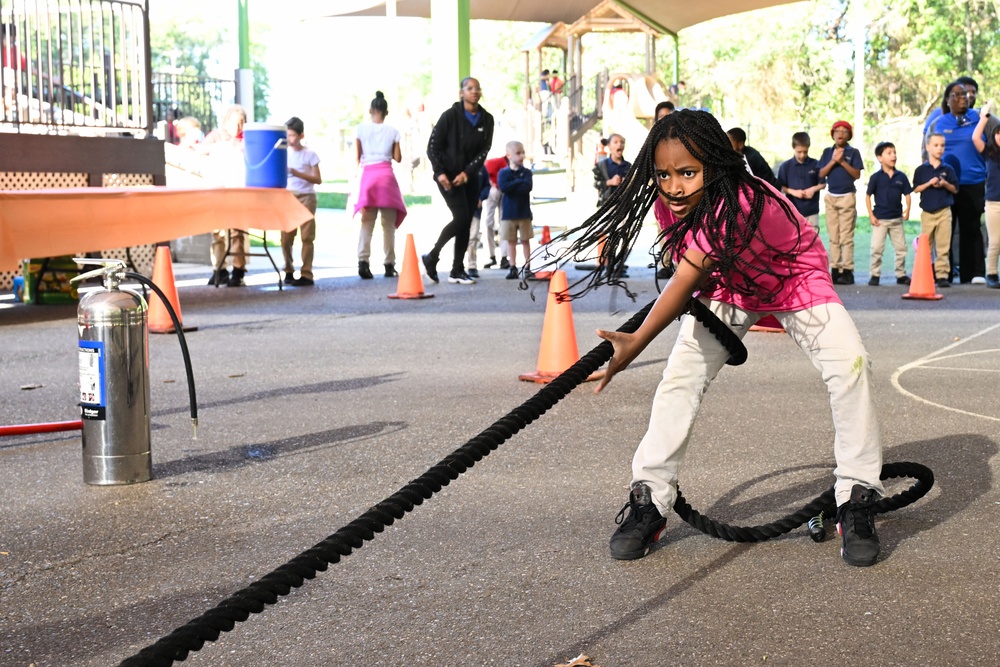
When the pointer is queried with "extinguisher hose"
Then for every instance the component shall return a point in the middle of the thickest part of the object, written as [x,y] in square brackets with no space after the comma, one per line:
[138,277]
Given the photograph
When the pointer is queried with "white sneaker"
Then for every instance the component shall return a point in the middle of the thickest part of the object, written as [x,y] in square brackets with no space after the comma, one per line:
[979,280]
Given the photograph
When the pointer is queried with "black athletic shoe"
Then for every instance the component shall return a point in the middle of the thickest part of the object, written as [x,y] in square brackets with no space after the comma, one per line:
[942,282]
[303,282]
[430,266]
[490,264]
[856,525]
[460,278]
[504,263]
[390,271]
[639,529]
[835,276]
[847,277]
[236,278]
[223,275]
[512,273]
[364,270]
[873,281]
[903,280]
[473,273]
[289,278]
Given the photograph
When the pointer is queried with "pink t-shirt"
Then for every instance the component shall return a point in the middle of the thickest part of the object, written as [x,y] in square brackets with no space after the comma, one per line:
[797,256]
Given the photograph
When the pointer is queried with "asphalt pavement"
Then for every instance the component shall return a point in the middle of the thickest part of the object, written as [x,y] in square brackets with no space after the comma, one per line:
[317,403]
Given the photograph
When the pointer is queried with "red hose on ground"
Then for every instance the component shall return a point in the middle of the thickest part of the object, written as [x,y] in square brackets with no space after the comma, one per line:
[50,427]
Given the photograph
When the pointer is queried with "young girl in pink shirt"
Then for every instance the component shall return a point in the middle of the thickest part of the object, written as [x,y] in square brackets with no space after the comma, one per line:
[742,250]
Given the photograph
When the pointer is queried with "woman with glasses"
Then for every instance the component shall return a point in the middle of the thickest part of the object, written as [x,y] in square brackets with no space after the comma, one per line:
[958,127]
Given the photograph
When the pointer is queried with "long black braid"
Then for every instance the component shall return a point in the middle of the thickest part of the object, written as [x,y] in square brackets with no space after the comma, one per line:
[610,233]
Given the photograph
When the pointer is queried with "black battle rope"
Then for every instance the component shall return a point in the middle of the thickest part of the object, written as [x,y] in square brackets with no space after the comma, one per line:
[265,591]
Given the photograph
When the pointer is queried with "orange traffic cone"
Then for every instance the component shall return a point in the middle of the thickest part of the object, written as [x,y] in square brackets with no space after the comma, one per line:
[410,284]
[768,324]
[546,235]
[558,350]
[163,277]
[922,283]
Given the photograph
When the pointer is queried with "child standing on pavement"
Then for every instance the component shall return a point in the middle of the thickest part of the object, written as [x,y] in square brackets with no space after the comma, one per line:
[937,184]
[888,187]
[841,165]
[515,185]
[746,253]
[303,176]
[610,171]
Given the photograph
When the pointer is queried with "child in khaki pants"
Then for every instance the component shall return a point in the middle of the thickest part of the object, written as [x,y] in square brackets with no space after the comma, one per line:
[841,165]
[937,184]
[887,186]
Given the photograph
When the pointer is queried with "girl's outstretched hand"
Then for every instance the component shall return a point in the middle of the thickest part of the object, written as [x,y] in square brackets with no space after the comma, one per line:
[626,350]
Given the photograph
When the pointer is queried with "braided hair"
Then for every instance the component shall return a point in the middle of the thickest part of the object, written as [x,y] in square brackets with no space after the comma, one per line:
[718,218]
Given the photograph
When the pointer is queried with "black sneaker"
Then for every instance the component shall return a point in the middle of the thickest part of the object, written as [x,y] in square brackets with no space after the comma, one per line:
[390,271]
[993,281]
[490,264]
[847,277]
[639,529]
[942,282]
[504,263]
[473,273]
[430,266]
[303,282]
[364,270]
[236,278]
[460,278]
[289,278]
[223,275]
[835,276]
[873,281]
[903,280]
[512,273]
[856,525]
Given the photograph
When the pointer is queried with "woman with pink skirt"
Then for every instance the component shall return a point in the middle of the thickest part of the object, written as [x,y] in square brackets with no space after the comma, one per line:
[377,145]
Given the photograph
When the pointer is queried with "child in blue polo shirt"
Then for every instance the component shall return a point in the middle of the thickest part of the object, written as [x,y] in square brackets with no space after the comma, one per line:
[888,187]
[937,184]
[515,183]
[841,165]
[798,178]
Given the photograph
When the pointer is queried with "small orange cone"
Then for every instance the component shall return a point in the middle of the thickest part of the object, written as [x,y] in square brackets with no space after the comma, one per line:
[163,277]
[546,235]
[922,283]
[558,350]
[768,324]
[410,284]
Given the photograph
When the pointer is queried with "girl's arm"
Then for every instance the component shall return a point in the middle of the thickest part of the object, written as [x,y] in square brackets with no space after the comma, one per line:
[397,154]
[692,272]
[357,146]
[977,134]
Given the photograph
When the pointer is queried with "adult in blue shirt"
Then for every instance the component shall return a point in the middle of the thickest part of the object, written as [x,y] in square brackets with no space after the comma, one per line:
[958,127]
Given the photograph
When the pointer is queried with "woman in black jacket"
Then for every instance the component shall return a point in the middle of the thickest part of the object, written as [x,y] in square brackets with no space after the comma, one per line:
[456,150]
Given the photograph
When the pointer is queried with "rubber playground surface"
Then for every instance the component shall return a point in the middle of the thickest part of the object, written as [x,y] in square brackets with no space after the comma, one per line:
[317,403]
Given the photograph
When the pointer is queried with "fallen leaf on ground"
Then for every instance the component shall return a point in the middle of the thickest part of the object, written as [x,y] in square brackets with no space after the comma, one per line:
[579,661]
[27,387]
[236,375]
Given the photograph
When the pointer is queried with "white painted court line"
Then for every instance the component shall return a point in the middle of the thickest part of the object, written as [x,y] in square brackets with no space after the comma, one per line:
[938,355]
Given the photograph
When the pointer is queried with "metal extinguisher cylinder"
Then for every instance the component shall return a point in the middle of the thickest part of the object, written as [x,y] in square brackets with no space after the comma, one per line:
[114,383]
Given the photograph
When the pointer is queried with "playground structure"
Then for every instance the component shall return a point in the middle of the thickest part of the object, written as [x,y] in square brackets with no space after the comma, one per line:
[556,122]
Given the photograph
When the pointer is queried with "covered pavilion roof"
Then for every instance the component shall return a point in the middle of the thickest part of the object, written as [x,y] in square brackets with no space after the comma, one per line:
[670,15]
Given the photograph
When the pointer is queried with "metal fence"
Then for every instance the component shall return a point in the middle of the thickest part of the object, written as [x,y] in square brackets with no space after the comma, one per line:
[178,95]
[75,64]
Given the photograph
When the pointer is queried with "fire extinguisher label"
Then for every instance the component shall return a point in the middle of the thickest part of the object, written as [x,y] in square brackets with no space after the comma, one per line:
[93,380]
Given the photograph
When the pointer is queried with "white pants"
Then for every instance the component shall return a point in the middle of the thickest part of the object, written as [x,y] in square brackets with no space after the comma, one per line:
[826,333]
[485,221]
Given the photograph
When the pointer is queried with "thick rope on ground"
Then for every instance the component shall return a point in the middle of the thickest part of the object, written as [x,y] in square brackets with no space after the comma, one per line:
[265,591]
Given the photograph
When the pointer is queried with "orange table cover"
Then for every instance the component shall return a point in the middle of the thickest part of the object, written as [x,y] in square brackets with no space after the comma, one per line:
[63,221]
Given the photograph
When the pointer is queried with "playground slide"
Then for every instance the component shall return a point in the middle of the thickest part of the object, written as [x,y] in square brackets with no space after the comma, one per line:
[624,106]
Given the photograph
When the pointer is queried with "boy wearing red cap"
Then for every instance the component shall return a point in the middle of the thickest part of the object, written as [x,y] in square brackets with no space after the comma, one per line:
[841,166]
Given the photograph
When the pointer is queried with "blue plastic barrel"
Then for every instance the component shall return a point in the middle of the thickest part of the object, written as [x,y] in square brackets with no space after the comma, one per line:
[266,154]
